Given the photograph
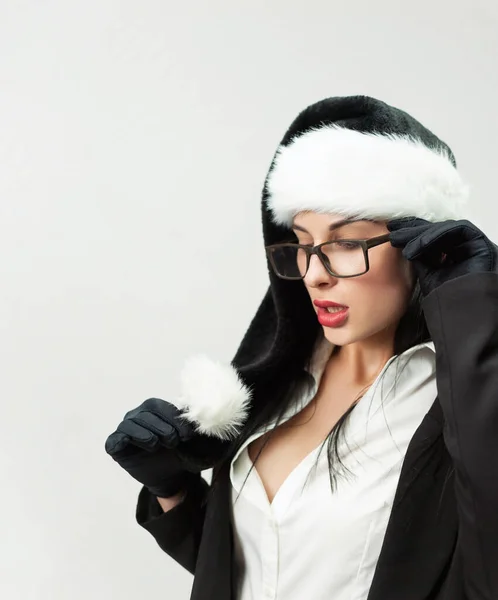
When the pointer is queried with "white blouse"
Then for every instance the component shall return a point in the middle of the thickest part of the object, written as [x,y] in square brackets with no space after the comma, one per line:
[312,543]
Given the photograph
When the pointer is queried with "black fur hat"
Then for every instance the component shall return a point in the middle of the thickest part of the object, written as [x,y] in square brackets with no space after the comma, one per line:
[355,156]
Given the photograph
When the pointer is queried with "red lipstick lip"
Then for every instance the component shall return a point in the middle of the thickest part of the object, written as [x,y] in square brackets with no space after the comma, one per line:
[327,303]
[334,319]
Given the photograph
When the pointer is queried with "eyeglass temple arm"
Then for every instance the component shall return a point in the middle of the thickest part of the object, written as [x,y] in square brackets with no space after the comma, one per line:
[382,239]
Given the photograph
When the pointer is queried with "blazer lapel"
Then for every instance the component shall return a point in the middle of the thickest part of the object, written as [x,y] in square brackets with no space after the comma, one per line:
[213,572]
[423,526]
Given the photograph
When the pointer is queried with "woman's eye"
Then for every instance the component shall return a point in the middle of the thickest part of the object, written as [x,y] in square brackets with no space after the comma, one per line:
[345,245]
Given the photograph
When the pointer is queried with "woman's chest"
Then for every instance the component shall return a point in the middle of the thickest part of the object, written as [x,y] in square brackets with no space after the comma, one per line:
[279,452]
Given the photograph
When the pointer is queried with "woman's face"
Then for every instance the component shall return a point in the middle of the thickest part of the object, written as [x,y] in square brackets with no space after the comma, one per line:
[377,299]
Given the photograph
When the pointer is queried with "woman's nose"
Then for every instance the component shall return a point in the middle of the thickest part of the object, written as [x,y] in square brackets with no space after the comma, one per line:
[317,274]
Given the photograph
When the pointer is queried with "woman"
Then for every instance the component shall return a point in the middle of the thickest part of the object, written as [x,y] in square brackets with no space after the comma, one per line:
[354,438]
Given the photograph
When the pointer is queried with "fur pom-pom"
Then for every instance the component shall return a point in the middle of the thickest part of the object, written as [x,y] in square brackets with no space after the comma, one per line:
[213,397]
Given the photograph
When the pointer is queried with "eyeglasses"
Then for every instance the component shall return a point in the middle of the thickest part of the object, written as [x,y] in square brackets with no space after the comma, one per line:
[341,258]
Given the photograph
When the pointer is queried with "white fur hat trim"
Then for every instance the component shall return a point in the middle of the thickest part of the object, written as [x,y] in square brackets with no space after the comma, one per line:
[332,169]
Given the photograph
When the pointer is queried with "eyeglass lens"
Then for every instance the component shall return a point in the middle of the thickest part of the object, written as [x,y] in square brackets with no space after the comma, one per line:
[343,258]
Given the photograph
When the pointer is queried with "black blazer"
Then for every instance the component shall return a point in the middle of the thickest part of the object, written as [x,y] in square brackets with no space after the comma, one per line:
[441,541]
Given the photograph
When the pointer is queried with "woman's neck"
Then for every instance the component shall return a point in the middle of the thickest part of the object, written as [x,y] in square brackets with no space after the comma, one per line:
[361,362]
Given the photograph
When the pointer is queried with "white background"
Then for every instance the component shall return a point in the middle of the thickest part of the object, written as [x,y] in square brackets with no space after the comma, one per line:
[134,141]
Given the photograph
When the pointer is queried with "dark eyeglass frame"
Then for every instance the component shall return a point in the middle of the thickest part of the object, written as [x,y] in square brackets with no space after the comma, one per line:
[310,250]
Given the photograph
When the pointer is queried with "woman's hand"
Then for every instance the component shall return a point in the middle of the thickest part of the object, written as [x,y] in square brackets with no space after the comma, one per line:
[442,251]
[147,444]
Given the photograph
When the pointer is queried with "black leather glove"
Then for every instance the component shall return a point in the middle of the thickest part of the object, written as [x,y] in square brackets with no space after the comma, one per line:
[158,448]
[442,251]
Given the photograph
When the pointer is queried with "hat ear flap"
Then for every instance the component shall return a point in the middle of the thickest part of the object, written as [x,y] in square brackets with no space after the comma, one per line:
[260,337]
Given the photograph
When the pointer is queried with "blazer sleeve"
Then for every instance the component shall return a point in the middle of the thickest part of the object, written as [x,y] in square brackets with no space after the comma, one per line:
[177,531]
[462,317]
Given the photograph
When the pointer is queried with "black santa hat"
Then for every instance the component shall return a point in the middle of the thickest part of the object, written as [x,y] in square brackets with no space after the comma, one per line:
[354,156]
